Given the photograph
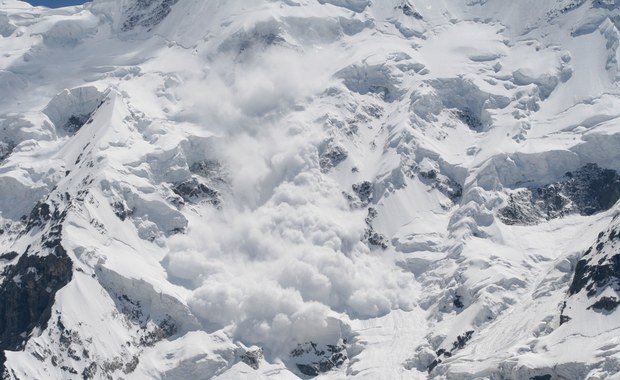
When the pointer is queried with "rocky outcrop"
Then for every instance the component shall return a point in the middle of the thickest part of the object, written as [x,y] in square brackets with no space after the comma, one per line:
[409,10]
[318,359]
[5,150]
[599,267]
[29,288]
[371,236]
[147,13]
[364,191]
[586,191]
[331,155]
[460,343]
[27,295]
[252,357]
[193,190]
[596,279]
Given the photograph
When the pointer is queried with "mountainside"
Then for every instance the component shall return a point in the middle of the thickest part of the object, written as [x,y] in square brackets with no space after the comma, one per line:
[286,189]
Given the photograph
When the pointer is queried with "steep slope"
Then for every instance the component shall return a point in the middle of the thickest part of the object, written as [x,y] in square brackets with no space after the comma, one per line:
[309,188]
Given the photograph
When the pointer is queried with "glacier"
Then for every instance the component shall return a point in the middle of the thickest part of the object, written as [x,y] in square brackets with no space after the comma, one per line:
[295,189]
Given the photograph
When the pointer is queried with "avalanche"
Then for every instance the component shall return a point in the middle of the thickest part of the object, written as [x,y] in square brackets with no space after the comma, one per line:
[286,189]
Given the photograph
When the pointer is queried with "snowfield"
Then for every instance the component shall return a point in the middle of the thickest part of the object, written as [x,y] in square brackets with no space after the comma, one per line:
[295,189]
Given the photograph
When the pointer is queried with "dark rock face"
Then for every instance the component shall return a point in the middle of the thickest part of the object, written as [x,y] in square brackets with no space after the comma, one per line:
[457,302]
[75,123]
[252,357]
[121,210]
[9,256]
[444,184]
[460,343]
[147,13]
[600,266]
[598,271]
[521,210]
[27,295]
[90,371]
[204,186]
[5,150]
[541,377]
[605,304]
[29,287]
[587,191]
[470,119]
[151,329]
[319,359]
[372,237]
[564,318]
[408,10]
[330,156]
[593,189]
[193,190]
[40,214]
[364,192]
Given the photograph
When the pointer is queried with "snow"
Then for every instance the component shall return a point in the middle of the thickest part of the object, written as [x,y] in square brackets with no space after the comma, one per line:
[115,103]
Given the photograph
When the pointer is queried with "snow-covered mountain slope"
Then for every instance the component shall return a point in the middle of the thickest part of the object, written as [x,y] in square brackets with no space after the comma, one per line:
[284,189]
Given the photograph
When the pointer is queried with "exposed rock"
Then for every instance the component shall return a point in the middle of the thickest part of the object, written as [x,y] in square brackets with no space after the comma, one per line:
[564,318]
[29,288]
[541,377]
[364,192]
[5,150]
[27,295]
[252,357]
[521,209]
[588,190]
[600,266]
[331,155]
[76,122]
[90,371]
[193,190]
[146,13]
[430,174]
[8,256]
[121,210]
[467,116]
[597,274]
[319,359]
[131,365]
[40,214]
[373,238]
[153,333]
[605,303]
[409,10]
[457,302]
[460,343]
